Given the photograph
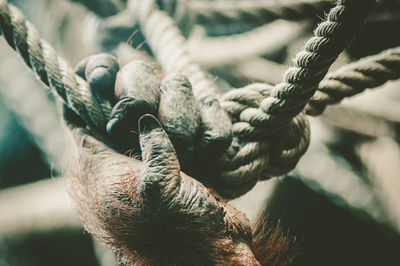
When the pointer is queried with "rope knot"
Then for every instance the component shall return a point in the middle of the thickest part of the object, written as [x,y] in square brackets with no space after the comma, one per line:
[257,152]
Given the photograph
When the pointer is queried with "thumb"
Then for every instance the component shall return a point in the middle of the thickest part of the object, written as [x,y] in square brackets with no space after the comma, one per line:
[164,188]
[161,171]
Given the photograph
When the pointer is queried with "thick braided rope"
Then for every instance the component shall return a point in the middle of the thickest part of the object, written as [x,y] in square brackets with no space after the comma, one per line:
[52,70]
[271,116]
[251,159]
[354,78]
[288,98]
[256,12]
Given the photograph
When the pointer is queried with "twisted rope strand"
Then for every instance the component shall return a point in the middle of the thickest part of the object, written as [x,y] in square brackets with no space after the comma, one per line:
[52,70]
[290,97]
[217,51]
[279,119]
[369,72]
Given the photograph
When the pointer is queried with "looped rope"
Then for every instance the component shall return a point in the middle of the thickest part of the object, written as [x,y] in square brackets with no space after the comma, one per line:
[256,153]
[52,70]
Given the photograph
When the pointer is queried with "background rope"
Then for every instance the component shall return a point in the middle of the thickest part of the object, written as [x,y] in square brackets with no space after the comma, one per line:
[213,51]
[369,72]
[256,12]
[52,70]
[103,8]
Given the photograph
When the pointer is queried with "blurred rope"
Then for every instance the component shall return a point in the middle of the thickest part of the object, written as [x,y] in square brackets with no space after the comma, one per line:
[328,173]
[256,12]
[34,108]
[102,8]
[43,206]
[257,42]
[381,159]
[351,79]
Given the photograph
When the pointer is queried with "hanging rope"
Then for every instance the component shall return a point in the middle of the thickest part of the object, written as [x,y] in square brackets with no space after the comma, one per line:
[369,72]
[52,70]
[311,65]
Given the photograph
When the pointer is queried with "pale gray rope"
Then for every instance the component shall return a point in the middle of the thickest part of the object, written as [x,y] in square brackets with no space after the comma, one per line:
[217,51]
[35,208]
[380,159]
[256,12]
[27,99]
[52,70]
[351,79]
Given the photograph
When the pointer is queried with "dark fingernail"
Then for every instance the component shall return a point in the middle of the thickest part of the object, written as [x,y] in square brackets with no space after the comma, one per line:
[148,123]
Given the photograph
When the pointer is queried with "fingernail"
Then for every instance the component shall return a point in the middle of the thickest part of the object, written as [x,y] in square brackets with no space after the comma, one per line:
[148,123]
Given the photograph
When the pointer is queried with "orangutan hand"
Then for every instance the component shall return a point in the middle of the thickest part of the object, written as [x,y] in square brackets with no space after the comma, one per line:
[149,211]
[136,90]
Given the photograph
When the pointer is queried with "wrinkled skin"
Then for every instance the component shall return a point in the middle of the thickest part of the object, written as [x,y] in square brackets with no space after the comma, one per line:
[196,129]
[148,211]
